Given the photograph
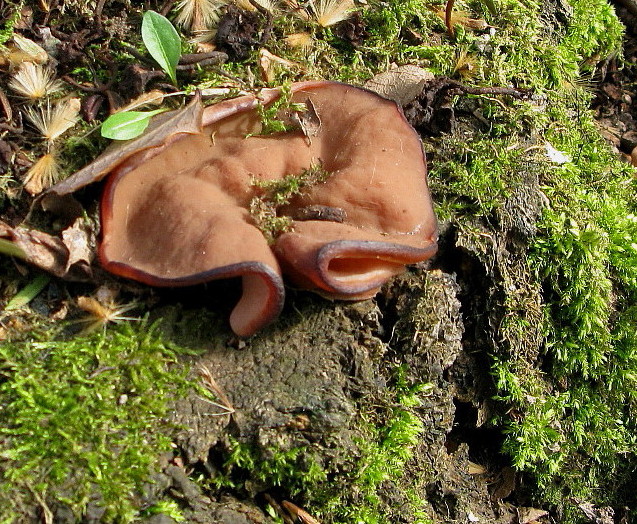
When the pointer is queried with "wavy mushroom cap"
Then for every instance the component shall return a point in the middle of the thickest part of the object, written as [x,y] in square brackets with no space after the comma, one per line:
[181,216]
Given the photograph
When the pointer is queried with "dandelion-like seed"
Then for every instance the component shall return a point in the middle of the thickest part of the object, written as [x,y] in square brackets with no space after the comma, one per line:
[203,40]
[197,15]
[102,313]
[329,12]
[43,174]
[54,121]
[32,81]
[301,41]
[209,382]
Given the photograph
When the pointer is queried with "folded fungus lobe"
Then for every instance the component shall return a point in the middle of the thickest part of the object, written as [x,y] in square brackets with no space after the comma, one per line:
[183,213]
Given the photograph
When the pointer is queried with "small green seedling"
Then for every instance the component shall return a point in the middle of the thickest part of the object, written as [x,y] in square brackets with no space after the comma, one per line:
[164,45]
[127,125]
[162,41]
[9,248]
[28,292]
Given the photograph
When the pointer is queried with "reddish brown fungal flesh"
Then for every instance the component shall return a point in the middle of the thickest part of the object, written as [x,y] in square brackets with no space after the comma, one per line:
[182,217]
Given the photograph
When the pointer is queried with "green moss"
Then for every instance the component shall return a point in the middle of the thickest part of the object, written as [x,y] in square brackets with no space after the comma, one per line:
[577,418]
[571,297]
[294,470]
[169,508]
[264,208]
[84,418]
[7,31]
[476,178]
[385,450]
[388,23]
[586,260]
[349,495]
[270,114]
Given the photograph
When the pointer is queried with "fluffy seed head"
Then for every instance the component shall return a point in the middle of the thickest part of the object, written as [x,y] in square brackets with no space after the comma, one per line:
[101,313]
[43,174]
[52,122]
[33,81]
[197,15]
[299,40]
[329,12]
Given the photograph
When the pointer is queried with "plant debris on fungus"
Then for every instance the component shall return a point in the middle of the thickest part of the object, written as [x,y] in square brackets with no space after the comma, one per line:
[176,207]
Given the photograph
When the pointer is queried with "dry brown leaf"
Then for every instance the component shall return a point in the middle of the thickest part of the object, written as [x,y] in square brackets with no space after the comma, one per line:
[505,483]
[20,50]
[401,84]
[80,241]
[45,251]
[152,98]
[299,515]
[463,18]
[6,106]
[267,61]
[308,121]
[598,515]
[266,66]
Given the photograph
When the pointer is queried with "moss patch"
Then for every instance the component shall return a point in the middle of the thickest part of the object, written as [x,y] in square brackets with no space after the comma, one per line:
[573,422]
[83,420]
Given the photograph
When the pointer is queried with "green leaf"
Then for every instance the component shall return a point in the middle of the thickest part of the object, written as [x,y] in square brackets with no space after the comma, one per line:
[128,124]
[28,292]
[162,41]
[9,248]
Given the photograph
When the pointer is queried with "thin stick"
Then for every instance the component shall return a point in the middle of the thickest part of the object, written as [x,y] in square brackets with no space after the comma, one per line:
[448,13]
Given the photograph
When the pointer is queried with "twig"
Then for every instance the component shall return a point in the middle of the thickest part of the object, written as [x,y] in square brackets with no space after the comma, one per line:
[237,80]
[279,510]
[99,87]
[47,514]
[448,17]
[98,15]
[165,9]
[135,53]
[197,58]
[6,106]
[88,89]
[5,126]
[202,63]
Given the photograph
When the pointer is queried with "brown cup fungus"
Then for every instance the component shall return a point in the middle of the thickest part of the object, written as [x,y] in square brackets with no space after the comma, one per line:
[199,207]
